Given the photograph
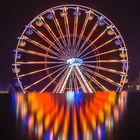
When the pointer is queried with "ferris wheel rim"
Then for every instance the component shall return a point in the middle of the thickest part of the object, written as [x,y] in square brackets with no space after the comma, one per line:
[72,6]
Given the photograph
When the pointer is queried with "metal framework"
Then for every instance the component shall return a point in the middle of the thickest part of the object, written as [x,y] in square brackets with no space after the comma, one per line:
[70,47]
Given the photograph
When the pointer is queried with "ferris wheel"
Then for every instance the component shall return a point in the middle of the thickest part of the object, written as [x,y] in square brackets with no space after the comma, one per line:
[70,48]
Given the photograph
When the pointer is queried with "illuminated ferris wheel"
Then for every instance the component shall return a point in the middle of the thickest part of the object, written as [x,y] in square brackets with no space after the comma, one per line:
[70,48]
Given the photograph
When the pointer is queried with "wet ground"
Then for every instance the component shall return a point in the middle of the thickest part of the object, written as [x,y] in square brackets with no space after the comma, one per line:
[70,116]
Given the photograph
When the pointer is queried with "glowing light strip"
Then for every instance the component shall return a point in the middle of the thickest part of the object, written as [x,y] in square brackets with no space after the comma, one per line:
[75,83]
[60,32]
[103,77]
[87,38]
[84,80]
[38,62]
[75,30]
[61,81]
[53,36]
[40,45]
[80,82]
[104,53]
[105,69]
[70,81]
[52,80]
[97,38]
[39,54]
[95,81]
[91,87]
[102,45]
[82,32]
[36,71]
[105,61]
[46,39]
[38,81]
[67,28]
[64,84]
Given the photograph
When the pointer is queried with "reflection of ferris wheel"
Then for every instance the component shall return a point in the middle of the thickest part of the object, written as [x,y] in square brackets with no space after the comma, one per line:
[71,47]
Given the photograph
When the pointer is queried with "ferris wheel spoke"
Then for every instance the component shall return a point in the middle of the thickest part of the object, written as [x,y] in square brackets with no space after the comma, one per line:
[103,53]
[105,69]
[41,46]
[75,30]
[82,33]
[75,83]
[60,32]
[38,62]
[87,38]
[70,86]
[93,89]
[39,33]
[53,36]
[39,54]
[67,28]
[53,80]
[83,85]
[61,81]
[80,82]
[38,81]
[95,81]
[84,80]
[105,61]
[103,77]
[102,45]
[66,79]
[73,86]
[40,70]
[97,38]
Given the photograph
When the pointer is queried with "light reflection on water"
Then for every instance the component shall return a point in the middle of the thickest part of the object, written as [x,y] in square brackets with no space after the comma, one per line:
[73,116]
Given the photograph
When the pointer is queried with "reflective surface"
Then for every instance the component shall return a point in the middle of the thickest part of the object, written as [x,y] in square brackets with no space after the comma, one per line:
[73,116]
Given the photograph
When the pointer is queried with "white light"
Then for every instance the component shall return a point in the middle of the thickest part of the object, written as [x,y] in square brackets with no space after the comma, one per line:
[74,62]
[66,80]
[89,89]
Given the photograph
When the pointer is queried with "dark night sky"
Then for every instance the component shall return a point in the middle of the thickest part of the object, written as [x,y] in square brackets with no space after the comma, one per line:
[15,14]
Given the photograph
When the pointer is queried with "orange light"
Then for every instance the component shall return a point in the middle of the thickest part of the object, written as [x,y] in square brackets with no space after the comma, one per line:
[66,124]
[39,116]
[116,114]
[90,116]
[40,130]
[83,121]
[58,120]
[30,123]
[50,116]
[75,129]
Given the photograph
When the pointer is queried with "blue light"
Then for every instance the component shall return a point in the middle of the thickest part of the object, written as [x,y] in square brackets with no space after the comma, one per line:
[13,102]
[78,96]
[29,31]
[25,123]
[50,16]
[47,135]
[100,21]
[76,13]
[118,42]
[74,96]
[74,62]
[102,132]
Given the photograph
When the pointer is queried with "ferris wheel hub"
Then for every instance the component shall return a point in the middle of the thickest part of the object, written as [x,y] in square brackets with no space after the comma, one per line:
[74,62]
